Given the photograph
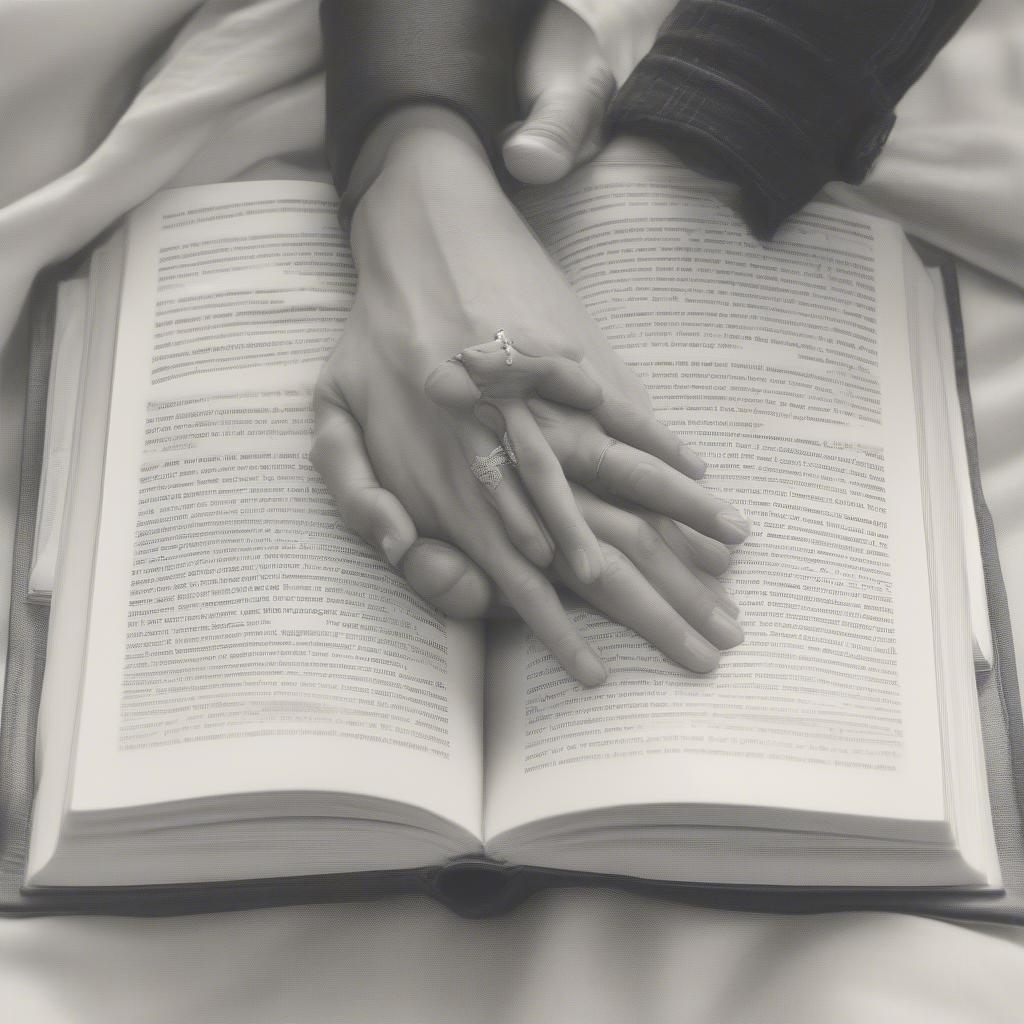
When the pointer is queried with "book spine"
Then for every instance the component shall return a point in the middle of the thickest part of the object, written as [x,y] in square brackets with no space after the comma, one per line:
[475,887]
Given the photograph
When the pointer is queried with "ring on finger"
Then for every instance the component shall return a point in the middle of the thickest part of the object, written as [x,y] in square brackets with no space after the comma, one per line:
[487,468]
[609,444]
[506,345]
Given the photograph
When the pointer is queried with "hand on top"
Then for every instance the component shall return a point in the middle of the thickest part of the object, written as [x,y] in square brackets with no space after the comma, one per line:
[444,260]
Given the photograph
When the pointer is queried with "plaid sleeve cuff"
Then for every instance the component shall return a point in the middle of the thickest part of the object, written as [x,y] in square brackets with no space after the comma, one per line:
[780,96]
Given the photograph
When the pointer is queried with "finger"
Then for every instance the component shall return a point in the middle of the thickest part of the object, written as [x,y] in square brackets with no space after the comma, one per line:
[674,579]
[708,555]
[694,549]
[715,585]
[625,472]
[366,508]
[544,480]
[528,591]
[556,378]
[628,475]
[450,580]
[633,425]
[558,131]
[452,388]
[622,593]
[503,490]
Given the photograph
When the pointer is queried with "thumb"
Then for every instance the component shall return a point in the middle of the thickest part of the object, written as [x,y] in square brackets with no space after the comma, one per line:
[563,128]
[449,580]
[366,508]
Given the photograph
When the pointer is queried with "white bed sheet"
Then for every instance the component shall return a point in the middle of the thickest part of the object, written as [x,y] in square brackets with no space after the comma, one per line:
[583,956]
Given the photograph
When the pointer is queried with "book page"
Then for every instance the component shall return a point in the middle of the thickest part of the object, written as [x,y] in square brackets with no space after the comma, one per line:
[61,406]
[75,576]
[786,366]
[981,627]
[240,639]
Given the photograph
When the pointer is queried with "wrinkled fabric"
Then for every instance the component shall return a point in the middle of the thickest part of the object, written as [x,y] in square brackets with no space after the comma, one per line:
[242,83]
[570,958]
[228,54]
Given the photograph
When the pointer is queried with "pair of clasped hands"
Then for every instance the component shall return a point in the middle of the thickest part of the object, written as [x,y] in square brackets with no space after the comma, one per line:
[604,500]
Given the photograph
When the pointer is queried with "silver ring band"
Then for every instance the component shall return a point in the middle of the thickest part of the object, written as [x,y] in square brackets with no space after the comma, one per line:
[604,451]
[506,443]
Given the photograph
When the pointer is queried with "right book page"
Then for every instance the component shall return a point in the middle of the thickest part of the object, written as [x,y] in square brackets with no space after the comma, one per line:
[787,366]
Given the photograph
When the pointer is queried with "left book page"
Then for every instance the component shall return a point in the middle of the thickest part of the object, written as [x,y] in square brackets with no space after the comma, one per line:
[239,639]
[61,404]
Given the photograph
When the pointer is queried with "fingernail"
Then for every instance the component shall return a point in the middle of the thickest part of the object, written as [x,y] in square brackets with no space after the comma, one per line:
[392,548]
[727,631]
[536,160]
[541,551]
[584,567]
[588,669]
[732,527]
[703,657]
[728,604]
[696,467]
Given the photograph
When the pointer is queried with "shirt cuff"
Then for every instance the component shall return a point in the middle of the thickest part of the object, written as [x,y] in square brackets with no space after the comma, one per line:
[383,54]
[780,97]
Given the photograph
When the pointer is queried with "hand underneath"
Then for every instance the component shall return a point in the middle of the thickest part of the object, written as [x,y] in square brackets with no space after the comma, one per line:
[442,259]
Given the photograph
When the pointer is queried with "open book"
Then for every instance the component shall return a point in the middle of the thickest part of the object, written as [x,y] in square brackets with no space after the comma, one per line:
[237,688]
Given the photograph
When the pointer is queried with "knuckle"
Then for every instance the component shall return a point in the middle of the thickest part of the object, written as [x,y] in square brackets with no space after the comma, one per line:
[566,642]
[329,433]
[626,412]
[435,572]
[552,123]
[640,476]
[646,541]
[583,448]
[525,586]
[377,506]
[326,456]
[705,602]
[350,519]
[529,458]
[616,566]
[718,557]
[353,512]
[580,465]
[535,463]
[598,82]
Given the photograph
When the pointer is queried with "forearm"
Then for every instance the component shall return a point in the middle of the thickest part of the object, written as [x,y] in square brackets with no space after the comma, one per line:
[428,227]
[436,230]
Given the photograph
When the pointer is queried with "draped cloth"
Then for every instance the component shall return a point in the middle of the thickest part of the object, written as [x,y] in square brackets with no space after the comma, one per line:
[103,102]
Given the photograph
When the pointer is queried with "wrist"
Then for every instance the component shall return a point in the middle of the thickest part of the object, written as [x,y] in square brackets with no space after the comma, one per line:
[423,138]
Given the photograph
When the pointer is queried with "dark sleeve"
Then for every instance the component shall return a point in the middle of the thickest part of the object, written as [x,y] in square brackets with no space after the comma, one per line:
[382,54]
[782,96]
